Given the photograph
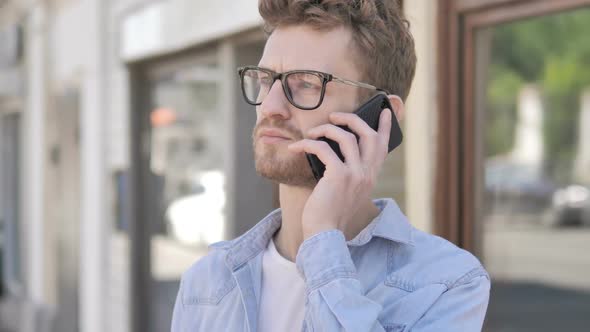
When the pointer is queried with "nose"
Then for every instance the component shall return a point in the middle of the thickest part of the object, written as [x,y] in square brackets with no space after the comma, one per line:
[275,103]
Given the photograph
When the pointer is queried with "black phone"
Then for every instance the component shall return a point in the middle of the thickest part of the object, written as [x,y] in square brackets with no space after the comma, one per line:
[369,112]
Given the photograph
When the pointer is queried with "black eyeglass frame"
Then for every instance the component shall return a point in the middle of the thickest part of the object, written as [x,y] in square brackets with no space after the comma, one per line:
[325,78]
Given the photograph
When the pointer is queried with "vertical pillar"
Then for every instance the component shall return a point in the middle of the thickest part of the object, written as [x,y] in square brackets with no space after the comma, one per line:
[95,224]
[420,117]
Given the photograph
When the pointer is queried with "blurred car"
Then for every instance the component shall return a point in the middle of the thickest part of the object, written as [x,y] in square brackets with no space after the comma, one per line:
[571,206]
[198,219]
[517,188]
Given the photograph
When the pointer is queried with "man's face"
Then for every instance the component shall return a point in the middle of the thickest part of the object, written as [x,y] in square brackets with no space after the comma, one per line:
[291,48]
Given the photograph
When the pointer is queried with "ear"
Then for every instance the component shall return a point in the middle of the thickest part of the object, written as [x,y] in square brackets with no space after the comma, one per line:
[398,106]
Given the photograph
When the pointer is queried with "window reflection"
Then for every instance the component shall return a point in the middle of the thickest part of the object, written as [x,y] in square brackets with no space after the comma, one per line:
[186,154]
[536,172]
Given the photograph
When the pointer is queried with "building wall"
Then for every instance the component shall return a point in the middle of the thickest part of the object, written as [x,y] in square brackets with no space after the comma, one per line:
[152,28]
[79,60]
[421,116]
[33,165]
[64,53]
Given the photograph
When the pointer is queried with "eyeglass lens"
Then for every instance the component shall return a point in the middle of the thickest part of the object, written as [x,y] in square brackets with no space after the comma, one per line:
[304,89]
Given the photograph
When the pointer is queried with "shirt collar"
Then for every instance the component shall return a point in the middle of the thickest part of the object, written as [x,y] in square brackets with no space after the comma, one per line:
[390,224]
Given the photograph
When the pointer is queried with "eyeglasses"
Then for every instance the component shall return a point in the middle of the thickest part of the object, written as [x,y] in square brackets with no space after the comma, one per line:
[305,89]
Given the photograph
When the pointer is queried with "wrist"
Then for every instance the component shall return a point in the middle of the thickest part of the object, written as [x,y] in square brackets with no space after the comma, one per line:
[310,230]
[324,257]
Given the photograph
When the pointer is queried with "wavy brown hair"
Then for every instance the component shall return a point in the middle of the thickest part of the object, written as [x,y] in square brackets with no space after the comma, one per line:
[381,34]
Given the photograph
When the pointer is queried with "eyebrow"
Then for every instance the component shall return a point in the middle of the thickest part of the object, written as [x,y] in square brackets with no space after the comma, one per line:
[284,71]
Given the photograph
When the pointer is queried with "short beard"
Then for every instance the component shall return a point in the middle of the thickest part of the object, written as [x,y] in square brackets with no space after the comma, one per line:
[280,165]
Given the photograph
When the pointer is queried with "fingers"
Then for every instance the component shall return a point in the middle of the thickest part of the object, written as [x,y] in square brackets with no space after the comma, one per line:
[367,154]
[352,121]
[321,149]
[372,143]
[346,140]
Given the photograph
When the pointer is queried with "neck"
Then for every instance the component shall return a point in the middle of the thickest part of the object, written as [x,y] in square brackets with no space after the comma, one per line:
[290,236]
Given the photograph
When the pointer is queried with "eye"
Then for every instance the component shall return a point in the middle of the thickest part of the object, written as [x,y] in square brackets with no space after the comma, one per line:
[265,80]
[305,81]
[259,77]
[309,85]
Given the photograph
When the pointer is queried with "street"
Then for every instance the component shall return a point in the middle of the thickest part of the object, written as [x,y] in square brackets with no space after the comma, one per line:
[540,277]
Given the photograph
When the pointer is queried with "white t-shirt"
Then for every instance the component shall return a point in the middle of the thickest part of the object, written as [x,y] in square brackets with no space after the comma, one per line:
[282,300]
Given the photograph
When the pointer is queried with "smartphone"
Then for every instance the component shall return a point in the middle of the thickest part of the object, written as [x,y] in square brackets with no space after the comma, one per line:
[369,112]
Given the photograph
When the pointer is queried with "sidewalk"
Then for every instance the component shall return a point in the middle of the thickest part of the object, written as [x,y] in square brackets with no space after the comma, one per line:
[17,315]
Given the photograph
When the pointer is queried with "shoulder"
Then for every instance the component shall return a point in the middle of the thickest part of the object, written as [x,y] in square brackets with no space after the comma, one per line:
[430,259]
[208,280]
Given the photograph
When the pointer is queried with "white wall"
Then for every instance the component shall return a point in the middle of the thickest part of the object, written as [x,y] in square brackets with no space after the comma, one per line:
[33,229]
[33,155]
[78,46]
[421,106]
[165,26]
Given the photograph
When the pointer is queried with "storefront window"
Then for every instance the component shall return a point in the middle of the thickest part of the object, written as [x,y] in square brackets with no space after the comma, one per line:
[186,141]
[187,155]
[534,103]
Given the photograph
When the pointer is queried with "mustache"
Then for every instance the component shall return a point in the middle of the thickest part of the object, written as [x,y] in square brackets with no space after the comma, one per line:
[269,123]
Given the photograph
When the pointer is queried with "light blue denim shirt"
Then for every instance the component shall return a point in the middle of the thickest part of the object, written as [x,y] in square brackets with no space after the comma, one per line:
[390,277]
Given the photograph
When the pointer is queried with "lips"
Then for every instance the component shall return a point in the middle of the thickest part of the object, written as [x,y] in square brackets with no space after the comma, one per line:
[273,133]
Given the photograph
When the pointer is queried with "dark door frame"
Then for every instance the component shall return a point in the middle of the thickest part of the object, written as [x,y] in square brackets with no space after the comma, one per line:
[140,249]
[11,277]
[456,194]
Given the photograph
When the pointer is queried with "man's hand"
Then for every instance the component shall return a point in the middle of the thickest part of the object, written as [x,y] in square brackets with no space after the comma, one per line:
[347,185]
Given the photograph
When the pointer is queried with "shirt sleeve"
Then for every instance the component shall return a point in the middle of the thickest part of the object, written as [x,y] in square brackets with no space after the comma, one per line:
[335,299]
[461,308]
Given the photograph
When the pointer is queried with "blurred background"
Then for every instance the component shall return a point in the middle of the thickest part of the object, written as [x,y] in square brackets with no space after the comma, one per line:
[125,150]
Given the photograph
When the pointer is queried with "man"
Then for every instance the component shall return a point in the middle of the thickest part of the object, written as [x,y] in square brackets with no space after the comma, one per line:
[330,259]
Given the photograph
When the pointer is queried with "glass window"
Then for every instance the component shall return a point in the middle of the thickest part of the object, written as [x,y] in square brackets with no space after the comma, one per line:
[186,141]
[533,81]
